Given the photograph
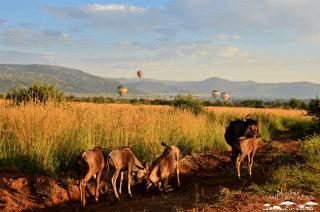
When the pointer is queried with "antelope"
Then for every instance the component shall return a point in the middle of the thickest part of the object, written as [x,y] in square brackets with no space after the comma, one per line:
[163,167]
[243,147]
[90,163]
[239,128]
[124,160]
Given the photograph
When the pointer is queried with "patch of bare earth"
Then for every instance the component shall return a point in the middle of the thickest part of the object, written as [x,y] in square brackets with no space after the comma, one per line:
[206,185]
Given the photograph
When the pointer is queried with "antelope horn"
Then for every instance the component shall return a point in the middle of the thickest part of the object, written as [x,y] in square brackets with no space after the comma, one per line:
[247,116]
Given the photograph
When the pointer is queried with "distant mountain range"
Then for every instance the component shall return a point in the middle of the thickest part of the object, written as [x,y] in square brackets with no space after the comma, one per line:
[79,83]
[68,80]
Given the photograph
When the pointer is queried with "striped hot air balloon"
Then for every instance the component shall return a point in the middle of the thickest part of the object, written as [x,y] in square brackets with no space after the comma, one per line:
[215,94]
[225,96]
[140,73]
[122,90]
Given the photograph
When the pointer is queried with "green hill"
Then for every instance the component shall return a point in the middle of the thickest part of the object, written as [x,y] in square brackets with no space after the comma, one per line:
[70,81]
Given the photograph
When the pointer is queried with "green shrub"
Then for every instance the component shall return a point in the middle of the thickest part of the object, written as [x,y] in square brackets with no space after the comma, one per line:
[189,103]
[311,149]
[41,92]
[300,176]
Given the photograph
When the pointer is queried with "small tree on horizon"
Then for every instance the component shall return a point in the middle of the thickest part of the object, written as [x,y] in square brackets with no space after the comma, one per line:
[37,92]
[313,109]
[189,103]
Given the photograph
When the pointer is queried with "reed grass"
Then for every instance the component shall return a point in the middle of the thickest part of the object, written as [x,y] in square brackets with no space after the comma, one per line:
[37,138]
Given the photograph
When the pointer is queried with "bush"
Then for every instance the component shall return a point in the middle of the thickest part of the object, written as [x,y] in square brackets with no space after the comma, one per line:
[313,108]
[294,103]
[41,92]
[311,149]
[188,103]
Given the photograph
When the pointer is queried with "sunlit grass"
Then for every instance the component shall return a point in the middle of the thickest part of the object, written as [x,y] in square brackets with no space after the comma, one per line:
[35,138]
[301,177]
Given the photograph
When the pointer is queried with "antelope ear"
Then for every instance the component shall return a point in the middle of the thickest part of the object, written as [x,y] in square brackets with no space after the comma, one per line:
[139,167]
[146,166]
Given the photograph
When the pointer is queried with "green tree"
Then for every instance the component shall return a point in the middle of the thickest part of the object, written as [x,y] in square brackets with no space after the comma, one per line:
[294,103]
[259,104]
[37,92]
[188,103]
[313,108]
[278,104]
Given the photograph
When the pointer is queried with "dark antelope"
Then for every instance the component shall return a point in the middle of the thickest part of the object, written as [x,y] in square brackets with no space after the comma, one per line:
[240,128]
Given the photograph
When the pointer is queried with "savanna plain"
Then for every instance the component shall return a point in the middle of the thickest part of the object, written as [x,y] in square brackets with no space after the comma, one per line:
[40,143]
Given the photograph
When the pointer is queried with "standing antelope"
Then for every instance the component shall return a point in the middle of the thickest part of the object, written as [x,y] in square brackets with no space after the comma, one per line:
[90,163]
[124,160]
[239,128]
[243,147]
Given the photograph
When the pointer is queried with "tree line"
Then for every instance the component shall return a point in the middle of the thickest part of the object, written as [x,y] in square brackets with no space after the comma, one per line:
[42,92]
[293,103]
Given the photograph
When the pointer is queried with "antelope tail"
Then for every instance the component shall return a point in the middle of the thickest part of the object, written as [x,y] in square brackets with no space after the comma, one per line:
[107,167]
[164,144]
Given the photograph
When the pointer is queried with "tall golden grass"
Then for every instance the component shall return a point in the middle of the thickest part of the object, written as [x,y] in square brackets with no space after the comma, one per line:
[245,110]
[37,138]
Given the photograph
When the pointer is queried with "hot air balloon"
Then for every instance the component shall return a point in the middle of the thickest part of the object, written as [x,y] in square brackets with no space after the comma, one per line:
[122,90]
[140,73]
[225,96]
[215,94]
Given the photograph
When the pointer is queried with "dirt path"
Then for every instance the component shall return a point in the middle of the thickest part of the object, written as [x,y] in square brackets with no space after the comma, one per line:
[206,185]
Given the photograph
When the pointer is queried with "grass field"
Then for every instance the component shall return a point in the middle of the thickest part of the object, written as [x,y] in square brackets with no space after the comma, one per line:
[36,138]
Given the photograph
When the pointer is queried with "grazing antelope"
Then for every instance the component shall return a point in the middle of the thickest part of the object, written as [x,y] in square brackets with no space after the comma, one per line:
[124,160]
[90,163]
[163,167]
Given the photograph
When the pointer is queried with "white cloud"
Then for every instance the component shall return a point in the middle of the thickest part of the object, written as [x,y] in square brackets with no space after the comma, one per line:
[48,56]
[248,15]
[103,8]
[237,37]
[131,46]
[124,43]
[227,15]
[229,51]
[222,37]
[30,38]
[288,1]
[309,37]
[226,37]
[113,16]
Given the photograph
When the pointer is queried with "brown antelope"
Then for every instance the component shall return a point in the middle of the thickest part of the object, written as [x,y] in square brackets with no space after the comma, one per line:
[124,160]
[243,147]
[90,163]
[163,167]
[239,128]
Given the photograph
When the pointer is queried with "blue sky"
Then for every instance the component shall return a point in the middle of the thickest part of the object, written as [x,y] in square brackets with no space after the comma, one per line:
[182,40]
